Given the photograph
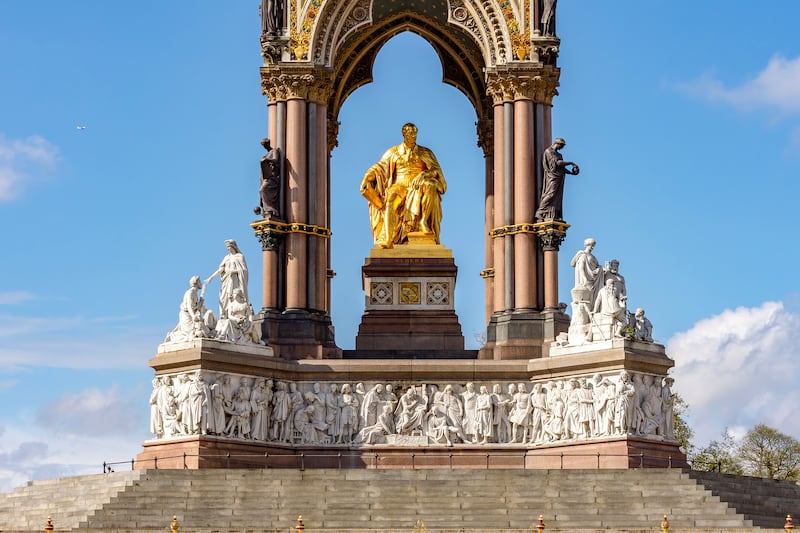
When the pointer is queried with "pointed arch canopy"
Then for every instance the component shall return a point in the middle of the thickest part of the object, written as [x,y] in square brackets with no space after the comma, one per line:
[467,37]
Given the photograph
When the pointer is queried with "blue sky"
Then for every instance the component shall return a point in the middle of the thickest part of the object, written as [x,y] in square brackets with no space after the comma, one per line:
[684,118]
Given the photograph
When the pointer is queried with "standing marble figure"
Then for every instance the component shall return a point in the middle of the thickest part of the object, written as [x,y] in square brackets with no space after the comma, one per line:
[232,273]
[555,170]
[404,190]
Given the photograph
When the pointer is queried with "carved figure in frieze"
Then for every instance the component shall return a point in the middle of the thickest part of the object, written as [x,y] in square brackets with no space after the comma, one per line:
[452,406]
[270,187]
[260,405]
[668,407]
[651,407]
[412,408]
[369,407]
[360,392]
[332,411]
[390,397]
[349,414]
[470,398]
[483,416]
[216,409]
[520,414]
[586,413]
[304,430]
[439,427]
[554,428]
[539,414]
[233,275]
[502,404]
[376,433]
[555,170]
[318,413]
[572,403]
[239,423]
[280,411]
[295,404]
[603,405]
[197,404]
[624,404]
[156,419]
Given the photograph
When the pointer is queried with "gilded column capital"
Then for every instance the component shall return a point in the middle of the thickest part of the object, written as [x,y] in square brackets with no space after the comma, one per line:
[538,84]
[333,134]
[287,82]
[485,129]
[551,234]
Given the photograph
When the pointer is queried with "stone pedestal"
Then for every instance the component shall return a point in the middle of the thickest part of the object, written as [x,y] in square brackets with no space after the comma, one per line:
[227,369]
[522,334]
[409,301]
[299,334]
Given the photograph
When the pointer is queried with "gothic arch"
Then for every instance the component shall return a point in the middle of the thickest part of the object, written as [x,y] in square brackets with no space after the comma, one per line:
[502,56]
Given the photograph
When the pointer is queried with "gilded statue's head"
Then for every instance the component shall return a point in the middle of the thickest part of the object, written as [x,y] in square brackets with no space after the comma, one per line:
[409,132]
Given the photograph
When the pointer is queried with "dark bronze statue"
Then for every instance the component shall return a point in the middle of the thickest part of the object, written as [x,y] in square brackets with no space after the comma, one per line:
[270,188]
[555,170]
[549,18]
[271,17]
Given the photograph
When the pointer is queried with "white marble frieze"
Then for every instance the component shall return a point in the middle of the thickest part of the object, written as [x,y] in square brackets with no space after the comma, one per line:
[301,413]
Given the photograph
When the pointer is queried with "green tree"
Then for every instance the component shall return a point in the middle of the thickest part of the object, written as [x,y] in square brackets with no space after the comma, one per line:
[766,452]
[719,455]
[683,433]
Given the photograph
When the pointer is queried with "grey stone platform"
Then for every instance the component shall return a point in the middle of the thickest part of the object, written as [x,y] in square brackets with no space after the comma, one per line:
[349,500]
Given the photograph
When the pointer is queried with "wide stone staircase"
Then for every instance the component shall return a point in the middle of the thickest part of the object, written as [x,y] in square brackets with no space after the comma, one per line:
[349,500]
[764,501]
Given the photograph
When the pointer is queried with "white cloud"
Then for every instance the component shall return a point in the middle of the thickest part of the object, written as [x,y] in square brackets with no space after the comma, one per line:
[15,297]
[777,87]
[740,368]
[93,412]
[73,435]
[22,160]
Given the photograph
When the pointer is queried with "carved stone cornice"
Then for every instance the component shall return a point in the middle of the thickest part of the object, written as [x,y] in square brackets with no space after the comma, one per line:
[507,84]
[287,82]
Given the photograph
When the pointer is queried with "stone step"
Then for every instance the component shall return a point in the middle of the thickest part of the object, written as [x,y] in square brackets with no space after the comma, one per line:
[350,499]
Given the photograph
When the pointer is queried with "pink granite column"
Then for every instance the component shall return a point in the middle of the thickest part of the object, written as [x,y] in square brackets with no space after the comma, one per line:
[498,243]
[551,278]
[296,204]
[524,191]
[269,256]
[489,224]
[321,207]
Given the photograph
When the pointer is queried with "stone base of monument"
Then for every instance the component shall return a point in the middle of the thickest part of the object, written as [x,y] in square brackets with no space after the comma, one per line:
[240,380]
[410,299]
[299,334]
[402,452]
[522,334]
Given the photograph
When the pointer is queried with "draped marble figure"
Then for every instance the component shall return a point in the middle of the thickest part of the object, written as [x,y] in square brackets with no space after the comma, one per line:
[233,274]
[404,190]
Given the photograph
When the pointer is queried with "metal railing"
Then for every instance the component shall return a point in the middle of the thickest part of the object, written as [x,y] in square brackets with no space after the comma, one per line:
[376,460]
